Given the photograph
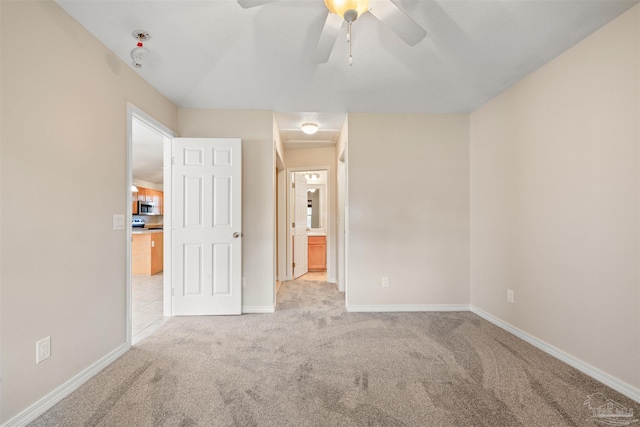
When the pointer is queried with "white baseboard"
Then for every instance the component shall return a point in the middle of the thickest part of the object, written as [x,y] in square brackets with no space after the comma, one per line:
[612,382]
[389,308]
[44,404]
[254,309]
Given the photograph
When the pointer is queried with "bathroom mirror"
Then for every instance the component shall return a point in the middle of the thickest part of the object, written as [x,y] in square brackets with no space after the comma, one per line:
[316,215]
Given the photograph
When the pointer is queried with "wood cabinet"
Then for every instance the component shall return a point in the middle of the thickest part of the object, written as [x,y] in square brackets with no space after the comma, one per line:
[148,195]
[134,202]
[317,253]
[142,194]
[147,253]
[156,197]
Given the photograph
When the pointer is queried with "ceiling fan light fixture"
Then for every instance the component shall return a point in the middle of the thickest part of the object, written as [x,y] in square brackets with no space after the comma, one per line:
[340,7]
[309,128]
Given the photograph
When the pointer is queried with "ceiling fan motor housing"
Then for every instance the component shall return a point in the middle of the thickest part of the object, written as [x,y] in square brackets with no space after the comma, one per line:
[348,9]
[350,15]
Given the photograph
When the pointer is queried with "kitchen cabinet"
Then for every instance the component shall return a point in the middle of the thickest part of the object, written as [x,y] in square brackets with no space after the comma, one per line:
[141,194]
[134,202]
[157,199]
[148,195]
[147,253]
[145,195]
[317,255]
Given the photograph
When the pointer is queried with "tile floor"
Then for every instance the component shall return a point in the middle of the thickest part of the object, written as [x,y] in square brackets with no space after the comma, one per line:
[146,301]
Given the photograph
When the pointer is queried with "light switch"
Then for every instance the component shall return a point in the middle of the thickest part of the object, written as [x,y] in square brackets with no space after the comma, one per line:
[118,222]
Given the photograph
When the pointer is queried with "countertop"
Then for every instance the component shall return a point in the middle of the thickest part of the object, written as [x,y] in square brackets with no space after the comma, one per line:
[140,230]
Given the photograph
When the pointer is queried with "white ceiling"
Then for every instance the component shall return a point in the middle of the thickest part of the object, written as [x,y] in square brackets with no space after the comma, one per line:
[146,153]
[215,54]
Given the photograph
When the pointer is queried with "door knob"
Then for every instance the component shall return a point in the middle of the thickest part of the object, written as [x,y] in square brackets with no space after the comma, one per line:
[236,235]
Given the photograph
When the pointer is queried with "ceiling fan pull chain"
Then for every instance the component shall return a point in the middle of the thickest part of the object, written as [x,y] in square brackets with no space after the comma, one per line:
[349,40]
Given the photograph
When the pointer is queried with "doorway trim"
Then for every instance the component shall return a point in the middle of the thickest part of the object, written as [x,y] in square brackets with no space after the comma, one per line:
[342,222]
[168,135]
[330,226]
[281,231]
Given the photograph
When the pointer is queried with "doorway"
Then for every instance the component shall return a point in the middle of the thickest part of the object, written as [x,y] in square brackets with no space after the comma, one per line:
[148,268]
[310,235]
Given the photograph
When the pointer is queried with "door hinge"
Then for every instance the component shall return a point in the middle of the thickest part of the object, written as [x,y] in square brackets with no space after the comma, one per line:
[293,225]
[294,265]
[173,160]
[173,292]
[293,185]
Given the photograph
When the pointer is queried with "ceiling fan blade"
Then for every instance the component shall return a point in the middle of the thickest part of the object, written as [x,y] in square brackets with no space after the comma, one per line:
[253,3]
[398,21]
[328,37]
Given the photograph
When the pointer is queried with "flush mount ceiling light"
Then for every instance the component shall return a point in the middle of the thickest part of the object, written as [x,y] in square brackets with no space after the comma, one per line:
[140,54]
[341,11]
[309,128]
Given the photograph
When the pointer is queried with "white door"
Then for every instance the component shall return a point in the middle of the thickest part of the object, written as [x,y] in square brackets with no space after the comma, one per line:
[300,239]
[207,226]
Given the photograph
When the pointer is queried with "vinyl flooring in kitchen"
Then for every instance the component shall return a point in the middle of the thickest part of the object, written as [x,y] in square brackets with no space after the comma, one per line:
[146,300]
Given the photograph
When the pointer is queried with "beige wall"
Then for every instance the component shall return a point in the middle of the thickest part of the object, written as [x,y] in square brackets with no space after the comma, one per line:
[555,202]
[258,190]
[309,158]
[63,152]
[408,207]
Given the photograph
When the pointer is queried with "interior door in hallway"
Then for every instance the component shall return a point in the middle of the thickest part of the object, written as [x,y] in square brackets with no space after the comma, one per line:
[207,226]
[300,239]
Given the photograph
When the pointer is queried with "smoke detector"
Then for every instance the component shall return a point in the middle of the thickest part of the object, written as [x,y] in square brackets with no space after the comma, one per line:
[140,54]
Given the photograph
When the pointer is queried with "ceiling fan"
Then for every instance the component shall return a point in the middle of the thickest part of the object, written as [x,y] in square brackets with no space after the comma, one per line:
[341,11]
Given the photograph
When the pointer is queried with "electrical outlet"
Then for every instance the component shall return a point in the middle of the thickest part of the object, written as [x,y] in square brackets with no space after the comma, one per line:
[385,282]
[510,296]
[43,349]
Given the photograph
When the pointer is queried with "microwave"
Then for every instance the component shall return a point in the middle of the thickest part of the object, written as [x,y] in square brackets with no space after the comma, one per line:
[145,208]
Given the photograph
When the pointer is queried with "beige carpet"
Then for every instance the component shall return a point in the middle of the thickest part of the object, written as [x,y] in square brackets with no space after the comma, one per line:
[313,364]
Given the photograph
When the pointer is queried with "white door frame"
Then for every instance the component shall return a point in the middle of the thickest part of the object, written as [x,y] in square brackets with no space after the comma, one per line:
[330,219]
[168,135]
[282,230]
[341,210]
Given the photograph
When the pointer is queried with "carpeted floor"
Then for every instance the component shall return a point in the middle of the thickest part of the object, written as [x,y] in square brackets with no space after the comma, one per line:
[313,364]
